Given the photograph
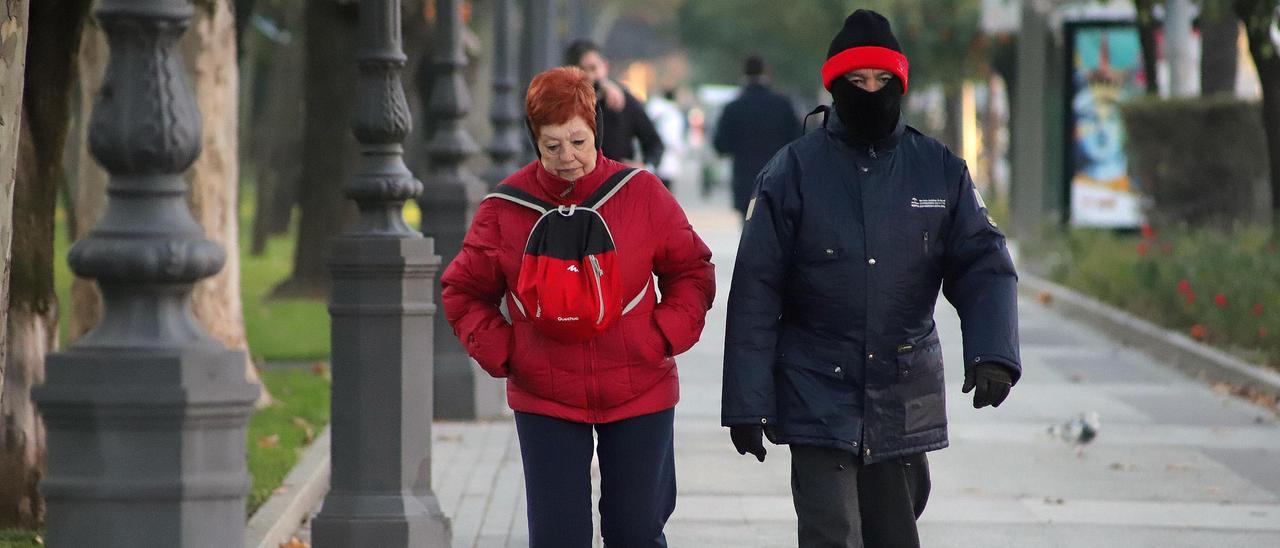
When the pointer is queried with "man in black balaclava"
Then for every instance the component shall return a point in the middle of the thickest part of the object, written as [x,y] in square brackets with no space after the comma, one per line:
[831,346]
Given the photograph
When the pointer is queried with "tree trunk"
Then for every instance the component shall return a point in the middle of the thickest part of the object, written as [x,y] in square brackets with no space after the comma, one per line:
[328,146]
[91,185]
[991,140]
[1269,74]
[1147,25]
[209,51]
[243,10]
[1256,16]
[13,59]
[953,133]
[33,311]
[1218,34]
[276,136]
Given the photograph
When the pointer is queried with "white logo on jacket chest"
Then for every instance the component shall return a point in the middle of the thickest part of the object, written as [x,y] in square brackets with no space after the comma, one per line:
[929,202]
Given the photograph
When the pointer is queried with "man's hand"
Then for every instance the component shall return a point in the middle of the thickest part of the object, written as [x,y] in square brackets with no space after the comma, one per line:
[992,381]
[613,96]
[748,439]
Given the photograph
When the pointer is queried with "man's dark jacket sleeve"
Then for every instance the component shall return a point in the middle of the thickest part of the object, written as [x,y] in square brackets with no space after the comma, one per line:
[755,297]
[980,281]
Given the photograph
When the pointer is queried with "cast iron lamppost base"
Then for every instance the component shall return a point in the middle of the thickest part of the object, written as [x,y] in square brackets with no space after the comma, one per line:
[146,413]
[381,306]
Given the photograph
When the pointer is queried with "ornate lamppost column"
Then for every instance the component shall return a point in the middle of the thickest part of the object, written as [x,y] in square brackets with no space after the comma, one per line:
[579,20]
[541,37]
[505,112]
[538,51]
[448,203]
[146,413]
[381,306]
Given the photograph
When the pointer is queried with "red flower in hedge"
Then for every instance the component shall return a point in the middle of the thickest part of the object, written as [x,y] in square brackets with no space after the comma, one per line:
[1142,249]
[1262,332]
[1220,300]
[1257,309]
[1198,332]
[1191,296]
[1147,231]
[1184,286]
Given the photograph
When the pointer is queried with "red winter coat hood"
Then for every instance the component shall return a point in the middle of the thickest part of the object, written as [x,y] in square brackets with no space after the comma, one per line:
[627,370]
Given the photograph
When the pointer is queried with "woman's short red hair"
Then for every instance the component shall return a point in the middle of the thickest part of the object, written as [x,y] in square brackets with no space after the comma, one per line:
[557,95]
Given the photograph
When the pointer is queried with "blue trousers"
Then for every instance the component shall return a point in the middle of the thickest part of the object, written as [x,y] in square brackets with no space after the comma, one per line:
[637,480]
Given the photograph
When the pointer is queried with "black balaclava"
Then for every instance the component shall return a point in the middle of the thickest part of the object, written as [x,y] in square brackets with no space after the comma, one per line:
[868,116]
[866,41]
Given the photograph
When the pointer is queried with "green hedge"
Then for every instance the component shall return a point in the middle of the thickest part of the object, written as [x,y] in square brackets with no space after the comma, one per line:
[1218,287]
[1201,161]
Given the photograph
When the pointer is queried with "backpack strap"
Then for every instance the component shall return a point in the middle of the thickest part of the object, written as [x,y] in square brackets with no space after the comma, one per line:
[826,112]
[515,195]
[610,187]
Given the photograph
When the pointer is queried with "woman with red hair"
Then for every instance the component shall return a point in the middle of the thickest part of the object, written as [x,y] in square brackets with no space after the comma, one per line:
[620,386]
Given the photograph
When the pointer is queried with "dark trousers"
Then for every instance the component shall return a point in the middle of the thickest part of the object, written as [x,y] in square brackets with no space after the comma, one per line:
[842,503]
[637,480]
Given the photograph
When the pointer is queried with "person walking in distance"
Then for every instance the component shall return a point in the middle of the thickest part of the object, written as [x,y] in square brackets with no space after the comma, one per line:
[753,128]
[624,118]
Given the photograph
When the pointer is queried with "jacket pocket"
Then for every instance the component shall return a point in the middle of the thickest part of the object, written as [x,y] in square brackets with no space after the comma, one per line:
[817,269]
[815,394]
[646,359]
[921,389]
[642,338]
[530,368]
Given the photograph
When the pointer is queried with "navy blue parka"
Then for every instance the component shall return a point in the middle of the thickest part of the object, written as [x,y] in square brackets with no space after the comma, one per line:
[831,339]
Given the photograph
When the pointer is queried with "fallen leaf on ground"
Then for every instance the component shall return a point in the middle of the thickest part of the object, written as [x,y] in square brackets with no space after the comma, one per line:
[319,368]
[1257,397]
[308,431]
[295,542]
[1178,467]
[269,442]
[1046,298]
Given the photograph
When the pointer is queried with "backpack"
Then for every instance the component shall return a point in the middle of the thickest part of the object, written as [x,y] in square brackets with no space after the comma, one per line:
[568,286]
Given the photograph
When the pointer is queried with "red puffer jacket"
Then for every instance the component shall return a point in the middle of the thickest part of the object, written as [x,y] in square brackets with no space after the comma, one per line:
[625,371]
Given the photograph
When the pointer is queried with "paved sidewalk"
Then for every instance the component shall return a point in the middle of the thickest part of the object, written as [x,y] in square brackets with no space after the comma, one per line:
[1175,464]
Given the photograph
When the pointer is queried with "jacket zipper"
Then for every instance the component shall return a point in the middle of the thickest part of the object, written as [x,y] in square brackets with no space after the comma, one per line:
[872,150]
[591,381]
[598,272]
[926,242]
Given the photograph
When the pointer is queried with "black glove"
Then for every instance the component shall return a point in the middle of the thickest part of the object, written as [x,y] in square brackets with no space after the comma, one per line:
[992,381]
[748,438]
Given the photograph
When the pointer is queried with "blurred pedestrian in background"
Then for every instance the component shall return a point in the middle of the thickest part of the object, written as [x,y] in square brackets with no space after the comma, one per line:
[669,120]
[753,128]
[624,118]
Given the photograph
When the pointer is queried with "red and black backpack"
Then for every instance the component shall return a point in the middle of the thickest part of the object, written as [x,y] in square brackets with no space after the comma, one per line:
[568,286]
